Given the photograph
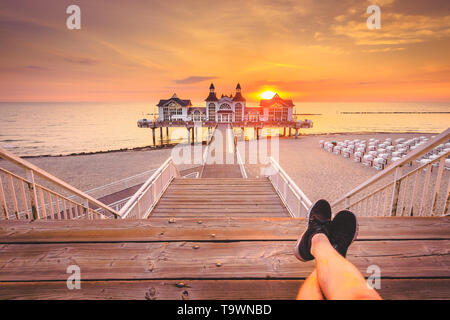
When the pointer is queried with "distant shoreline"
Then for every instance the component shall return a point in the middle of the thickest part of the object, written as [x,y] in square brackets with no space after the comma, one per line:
[171,145]
[394,112]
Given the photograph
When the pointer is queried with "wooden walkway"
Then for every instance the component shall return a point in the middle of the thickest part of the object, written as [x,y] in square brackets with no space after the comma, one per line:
[219,198]
[210,258]
[222,161]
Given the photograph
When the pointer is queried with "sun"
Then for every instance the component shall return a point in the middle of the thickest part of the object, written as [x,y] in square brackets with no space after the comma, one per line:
[267,94]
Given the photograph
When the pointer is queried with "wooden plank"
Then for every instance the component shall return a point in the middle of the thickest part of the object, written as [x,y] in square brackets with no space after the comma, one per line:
[226,196]
[245,259]
[221,206]
[211,193]
[220,181]
[228,188]
[159,229]
[220,194]
[219,214]
[207,289]
[224,211]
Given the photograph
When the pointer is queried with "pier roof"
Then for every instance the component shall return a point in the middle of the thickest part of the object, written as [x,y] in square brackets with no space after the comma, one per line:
[276,99]
[181,102]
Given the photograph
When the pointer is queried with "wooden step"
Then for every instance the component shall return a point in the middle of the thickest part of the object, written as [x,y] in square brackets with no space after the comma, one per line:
[220,197]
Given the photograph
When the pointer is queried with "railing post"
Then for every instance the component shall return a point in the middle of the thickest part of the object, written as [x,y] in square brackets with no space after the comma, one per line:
[86,203]
[13,195]
[437,185]
[395,191]
[3,200]
[447,201]
[347,203]
[33,196]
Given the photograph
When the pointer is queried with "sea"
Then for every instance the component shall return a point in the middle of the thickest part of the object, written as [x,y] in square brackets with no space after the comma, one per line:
[63,128]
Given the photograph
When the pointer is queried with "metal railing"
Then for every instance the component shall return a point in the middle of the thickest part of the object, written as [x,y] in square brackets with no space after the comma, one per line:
[26,199]
[141,204]
[238,154]
[412,186]
[120,185]
[241,163]
[209,140]
[296,202]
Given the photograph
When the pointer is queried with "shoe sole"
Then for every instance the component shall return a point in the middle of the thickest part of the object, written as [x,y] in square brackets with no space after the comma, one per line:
[356,233]
[297,244]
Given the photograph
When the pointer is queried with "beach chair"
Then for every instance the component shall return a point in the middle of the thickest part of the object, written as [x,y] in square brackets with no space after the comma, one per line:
[368,160]
[346,153]
[379,163]
[337,150]
[322,143]
[329,147]
[357,157]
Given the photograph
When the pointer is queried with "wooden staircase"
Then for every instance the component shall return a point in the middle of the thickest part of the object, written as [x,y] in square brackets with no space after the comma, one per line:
[210,197]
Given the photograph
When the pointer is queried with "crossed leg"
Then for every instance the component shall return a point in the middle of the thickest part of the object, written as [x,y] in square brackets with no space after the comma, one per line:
[334,276]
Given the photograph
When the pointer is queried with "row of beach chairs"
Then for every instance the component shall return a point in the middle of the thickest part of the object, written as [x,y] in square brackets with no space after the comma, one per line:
[378,154]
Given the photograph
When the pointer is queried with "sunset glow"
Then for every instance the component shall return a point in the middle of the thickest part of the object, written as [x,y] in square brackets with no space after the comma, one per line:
[267,94]
[312,50]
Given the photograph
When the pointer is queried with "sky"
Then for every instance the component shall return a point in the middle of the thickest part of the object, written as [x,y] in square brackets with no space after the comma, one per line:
[307,50]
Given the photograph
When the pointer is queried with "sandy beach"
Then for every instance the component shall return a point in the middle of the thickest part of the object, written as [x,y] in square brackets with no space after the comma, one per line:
[318,173]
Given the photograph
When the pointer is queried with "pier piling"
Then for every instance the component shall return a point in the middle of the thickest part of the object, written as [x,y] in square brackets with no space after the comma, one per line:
[154,137]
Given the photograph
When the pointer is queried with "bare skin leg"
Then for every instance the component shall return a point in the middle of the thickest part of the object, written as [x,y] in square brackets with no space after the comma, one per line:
[310,290]
[338,278]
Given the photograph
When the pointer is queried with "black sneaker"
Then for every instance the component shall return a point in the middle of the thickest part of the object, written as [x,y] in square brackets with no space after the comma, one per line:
[319,218]
[343,231]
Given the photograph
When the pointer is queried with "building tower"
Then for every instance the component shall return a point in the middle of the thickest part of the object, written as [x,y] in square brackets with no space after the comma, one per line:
[211,104]
[238,105]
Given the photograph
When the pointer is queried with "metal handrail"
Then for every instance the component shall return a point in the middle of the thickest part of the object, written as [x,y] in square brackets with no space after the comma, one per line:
[439,139]
[117,182]
[205,153]
[239,158]
[292,186]
[143,190]
[32,169]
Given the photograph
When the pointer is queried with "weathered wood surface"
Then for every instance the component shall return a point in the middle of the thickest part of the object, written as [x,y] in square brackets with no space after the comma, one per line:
[244,259]
[146,259]
[218,197]
[201,229]
[206,289]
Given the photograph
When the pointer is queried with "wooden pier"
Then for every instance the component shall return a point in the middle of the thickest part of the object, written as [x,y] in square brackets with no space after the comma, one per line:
[289,127]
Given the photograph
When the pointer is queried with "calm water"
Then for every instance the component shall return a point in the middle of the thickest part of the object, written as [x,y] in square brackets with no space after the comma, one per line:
[65,128]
